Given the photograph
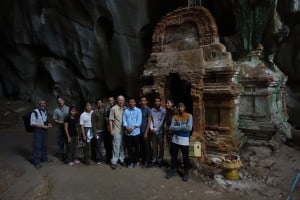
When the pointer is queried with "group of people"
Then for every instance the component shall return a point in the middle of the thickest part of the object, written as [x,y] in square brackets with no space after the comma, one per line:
[125,130]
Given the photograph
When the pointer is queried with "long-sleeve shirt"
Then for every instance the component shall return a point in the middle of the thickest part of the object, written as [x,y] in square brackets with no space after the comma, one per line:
[132,117]
[181,126]
[158,118]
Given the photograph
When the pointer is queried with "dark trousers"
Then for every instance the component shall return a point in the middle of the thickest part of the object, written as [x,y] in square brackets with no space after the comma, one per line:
[133,143]
[71,155]
[60,137]
[108,145]
[40,145]
[98,143]
[174,156]
[158,146]
[145,148]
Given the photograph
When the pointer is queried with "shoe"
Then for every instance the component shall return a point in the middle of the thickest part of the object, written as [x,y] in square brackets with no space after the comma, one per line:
[123,163]
[170,173]
[38,166]
[185,177]
[113,166]
[159,163]
[98,162]
[149,164]
[70,163]
[131,165]
[76,162]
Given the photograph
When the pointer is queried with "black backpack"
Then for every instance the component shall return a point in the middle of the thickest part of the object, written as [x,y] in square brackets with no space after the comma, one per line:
[26,120]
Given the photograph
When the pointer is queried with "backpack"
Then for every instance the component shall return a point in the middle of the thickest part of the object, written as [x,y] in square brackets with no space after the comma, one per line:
[26,120]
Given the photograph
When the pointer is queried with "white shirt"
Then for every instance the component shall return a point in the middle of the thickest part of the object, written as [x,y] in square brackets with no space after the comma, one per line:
[86,119]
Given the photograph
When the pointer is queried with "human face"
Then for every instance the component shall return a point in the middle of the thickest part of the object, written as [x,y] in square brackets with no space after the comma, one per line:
[73,112]
[143,102]
[99,104]
[132,103]
[61,101]
[88,107]
[181,109]
[169,104]
[157,103]
[111,101]
[121,101]
[42,104]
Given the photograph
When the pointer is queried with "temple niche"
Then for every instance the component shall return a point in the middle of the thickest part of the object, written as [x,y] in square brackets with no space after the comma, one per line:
[231,102]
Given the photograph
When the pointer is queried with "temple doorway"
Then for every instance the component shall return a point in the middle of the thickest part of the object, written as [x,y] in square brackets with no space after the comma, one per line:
[179,91]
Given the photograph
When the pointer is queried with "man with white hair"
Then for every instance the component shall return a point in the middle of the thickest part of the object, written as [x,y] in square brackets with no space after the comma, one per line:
[117,131]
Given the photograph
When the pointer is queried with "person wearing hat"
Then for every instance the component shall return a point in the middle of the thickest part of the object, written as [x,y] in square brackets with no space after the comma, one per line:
[70,127]
[181,126]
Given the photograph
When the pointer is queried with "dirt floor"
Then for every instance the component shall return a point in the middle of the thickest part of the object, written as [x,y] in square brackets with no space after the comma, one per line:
[266,175]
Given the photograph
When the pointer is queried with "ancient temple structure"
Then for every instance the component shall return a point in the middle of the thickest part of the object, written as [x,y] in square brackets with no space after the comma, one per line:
[189,64]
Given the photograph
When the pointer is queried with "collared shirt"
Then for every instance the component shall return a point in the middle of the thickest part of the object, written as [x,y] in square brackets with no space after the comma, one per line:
[116,116]
[98,120]
[61,113]
[158,118]
[132,117]
[38,117]
[86,119]
[146,113]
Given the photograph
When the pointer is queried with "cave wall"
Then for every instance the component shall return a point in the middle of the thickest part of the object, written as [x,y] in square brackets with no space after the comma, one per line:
[88,49]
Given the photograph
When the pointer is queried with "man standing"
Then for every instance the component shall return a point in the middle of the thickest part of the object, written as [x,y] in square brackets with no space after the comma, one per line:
[99,127]
[40,124]
[181,126]
[107,135]
[132,119]
[59,115]
[157,133]
[170,112]
[116,130]
[145,142]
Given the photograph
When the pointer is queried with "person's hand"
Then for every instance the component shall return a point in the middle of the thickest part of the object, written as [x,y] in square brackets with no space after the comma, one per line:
[49,125]
[145,135]
[69,139]
[84,138]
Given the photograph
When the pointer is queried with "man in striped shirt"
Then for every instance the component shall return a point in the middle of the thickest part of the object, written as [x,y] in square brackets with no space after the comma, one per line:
[181,126]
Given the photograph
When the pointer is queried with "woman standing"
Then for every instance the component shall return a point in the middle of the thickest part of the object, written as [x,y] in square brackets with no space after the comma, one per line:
[70,126]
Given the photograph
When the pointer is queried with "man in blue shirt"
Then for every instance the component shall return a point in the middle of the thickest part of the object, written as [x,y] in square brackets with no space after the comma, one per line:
[132,119]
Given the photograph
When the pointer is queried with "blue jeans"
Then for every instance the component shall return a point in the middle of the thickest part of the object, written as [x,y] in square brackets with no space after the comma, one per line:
[40,145]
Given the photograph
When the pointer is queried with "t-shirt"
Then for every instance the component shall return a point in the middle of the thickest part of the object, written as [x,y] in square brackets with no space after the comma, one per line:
[86,119]
[72,125]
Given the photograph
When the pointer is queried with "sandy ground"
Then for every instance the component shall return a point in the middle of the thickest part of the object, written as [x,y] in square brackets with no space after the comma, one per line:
[20,180]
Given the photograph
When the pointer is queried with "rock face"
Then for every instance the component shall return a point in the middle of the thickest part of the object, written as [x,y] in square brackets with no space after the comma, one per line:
[78,49]
[87,49]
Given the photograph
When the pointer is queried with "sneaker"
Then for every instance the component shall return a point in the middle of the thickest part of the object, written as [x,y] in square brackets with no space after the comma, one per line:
[131,165]
[76,162]
[185,177]
[149,164]
[113,166]
[38,166]
[70,163]
[170,173]
[98,162]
